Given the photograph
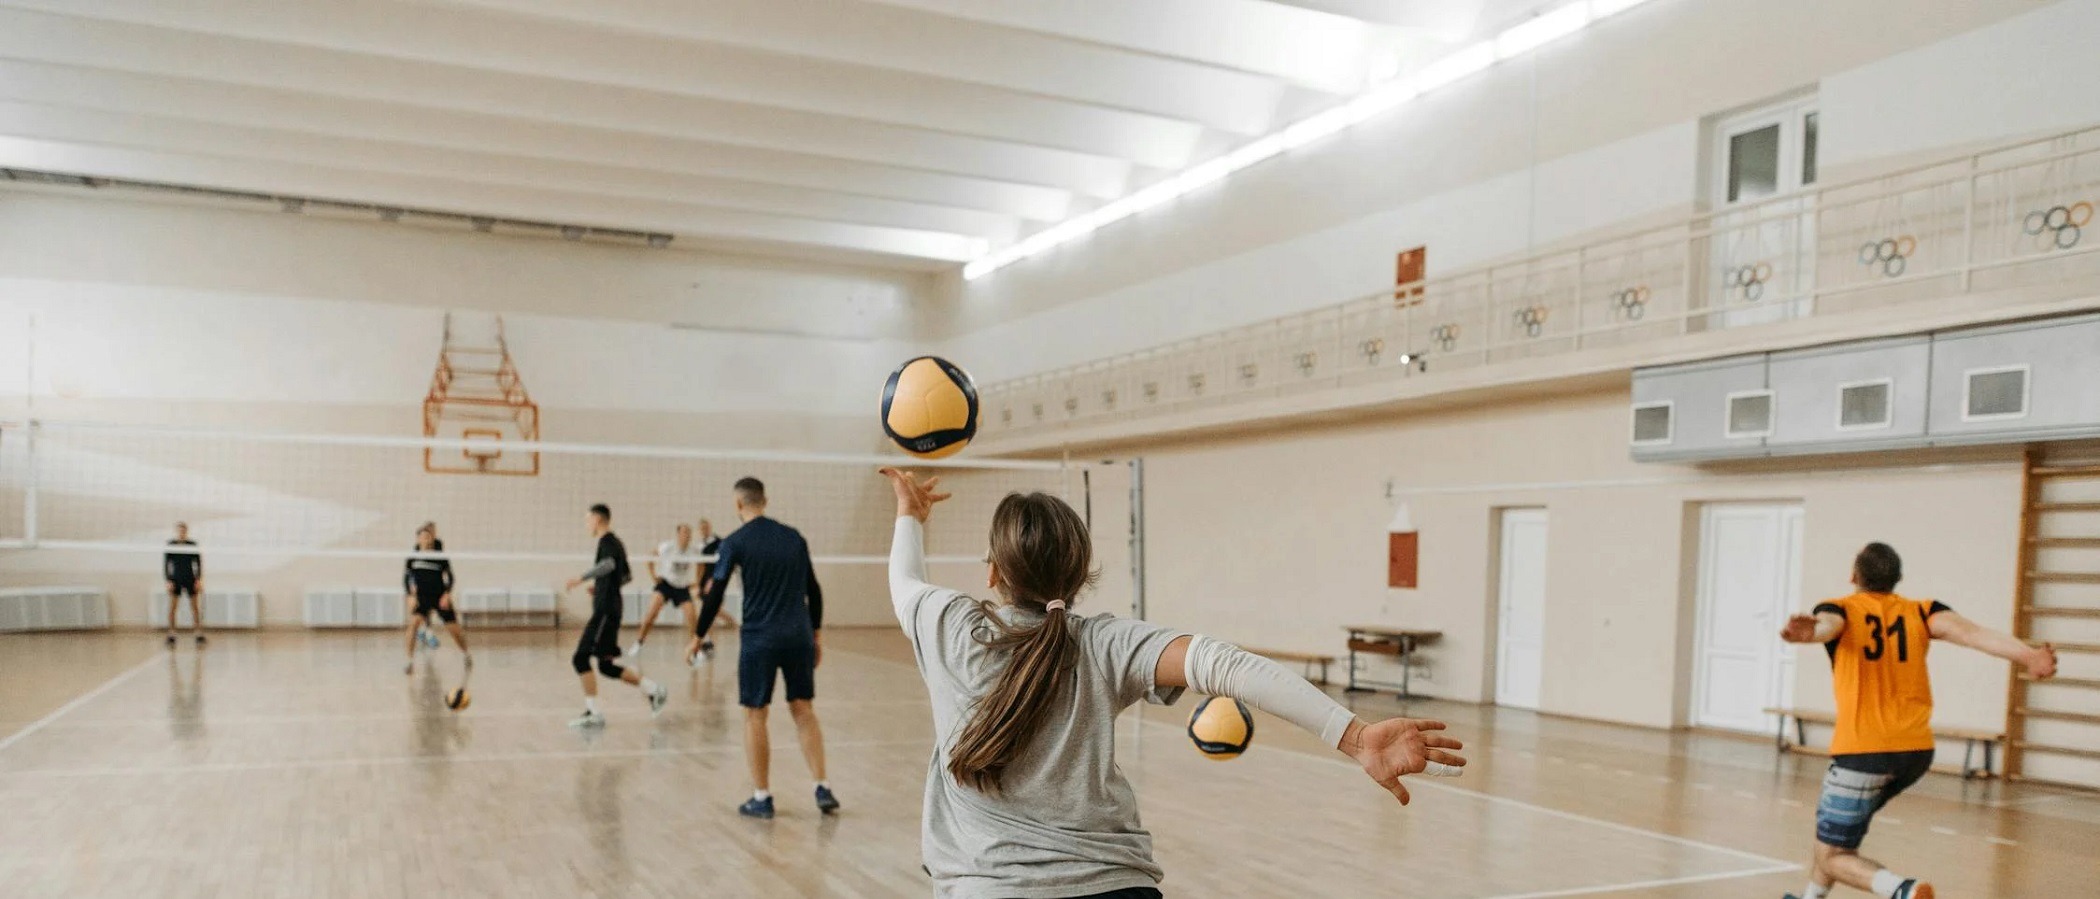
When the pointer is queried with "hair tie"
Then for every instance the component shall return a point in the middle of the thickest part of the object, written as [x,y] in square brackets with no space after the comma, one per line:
[1053,606]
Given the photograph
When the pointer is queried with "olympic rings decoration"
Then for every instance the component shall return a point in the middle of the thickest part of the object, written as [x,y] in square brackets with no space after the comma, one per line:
[1445,335]
[1196,383]
[1006,415]
[1371,349]
[1108,398]
[1307,362]
[1250,372]
[2058,227]
[1071,405]
[1750,279]
[1151,391]
[1630,304]
[1038,410]
[1890,254]
[1532,319]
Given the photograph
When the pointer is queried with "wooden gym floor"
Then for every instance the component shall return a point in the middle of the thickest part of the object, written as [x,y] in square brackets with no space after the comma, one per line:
[298,764]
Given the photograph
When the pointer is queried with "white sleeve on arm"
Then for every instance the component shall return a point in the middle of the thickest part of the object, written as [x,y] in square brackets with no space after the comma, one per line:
[1221,669]
[907,568]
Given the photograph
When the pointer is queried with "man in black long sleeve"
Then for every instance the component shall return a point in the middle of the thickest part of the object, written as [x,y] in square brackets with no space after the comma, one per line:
[783,618]
[426,579]
[601,635]
[183,569]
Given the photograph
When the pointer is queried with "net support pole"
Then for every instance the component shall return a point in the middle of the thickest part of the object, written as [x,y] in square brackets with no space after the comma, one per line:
[29,486]
[1137,538]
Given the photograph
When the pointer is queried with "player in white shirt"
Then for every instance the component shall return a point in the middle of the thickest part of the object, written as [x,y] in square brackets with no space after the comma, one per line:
[676,570]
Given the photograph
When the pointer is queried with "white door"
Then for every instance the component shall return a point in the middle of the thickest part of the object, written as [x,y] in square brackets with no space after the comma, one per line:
[1749,582]
[1521,630]
[1763,254]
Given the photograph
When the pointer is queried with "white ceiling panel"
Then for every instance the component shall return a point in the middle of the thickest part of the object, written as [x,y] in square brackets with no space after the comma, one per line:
[908,132]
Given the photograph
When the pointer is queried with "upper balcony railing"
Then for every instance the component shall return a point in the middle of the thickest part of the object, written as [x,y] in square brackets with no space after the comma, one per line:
[1986,220]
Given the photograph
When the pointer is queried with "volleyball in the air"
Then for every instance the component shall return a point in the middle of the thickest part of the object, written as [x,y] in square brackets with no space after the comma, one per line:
[1221,727]
[458,700]
[929,407]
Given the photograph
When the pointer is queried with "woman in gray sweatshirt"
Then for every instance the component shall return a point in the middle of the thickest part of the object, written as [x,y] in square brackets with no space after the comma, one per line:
[1023,796]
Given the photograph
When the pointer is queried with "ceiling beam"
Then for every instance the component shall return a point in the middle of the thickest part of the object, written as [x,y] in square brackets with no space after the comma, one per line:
[310,115]
[172,135]
[162,52]
[448,195]
[898,39]
[493,45]
[1305,47]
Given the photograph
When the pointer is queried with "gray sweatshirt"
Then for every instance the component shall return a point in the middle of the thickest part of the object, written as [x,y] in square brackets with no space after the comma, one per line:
[1065,822]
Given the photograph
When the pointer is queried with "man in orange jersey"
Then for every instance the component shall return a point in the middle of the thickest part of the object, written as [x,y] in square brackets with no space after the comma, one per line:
[1877,642]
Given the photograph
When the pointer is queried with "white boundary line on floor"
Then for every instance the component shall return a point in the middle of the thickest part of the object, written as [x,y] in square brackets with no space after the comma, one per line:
[78,701]
[1649,884]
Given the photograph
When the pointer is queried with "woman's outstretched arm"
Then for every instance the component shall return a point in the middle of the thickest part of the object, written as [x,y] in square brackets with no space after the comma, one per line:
[1387,750]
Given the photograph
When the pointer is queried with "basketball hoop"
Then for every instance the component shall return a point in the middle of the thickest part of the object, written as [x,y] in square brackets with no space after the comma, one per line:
[477,397]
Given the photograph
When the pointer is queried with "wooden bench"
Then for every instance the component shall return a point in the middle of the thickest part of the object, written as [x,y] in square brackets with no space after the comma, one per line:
[1971,740]
[1309,659]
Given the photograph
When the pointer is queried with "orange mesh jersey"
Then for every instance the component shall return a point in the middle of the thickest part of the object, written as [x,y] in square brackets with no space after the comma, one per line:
[1877,666]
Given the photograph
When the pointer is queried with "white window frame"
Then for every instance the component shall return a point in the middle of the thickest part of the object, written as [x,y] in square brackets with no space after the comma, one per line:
[1728,414]
[1634,424]
[1883,425]
[1968,378]
[1791,115]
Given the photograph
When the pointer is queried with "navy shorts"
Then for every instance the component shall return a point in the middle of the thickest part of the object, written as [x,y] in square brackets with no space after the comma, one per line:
[182,588]
[1857,786]
[428,602]
[676,596]
[794,660]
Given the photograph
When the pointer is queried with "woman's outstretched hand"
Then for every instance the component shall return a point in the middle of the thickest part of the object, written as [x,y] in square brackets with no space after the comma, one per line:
[915,498]
[1397,747]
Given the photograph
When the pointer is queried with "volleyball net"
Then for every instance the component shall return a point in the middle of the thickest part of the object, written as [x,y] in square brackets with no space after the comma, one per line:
[83,498]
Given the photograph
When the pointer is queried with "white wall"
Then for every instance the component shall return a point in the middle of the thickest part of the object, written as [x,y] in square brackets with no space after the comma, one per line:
[1278,540]
[1593,134]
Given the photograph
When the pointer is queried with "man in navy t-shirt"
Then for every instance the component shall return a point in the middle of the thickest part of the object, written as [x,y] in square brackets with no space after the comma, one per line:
[783,616]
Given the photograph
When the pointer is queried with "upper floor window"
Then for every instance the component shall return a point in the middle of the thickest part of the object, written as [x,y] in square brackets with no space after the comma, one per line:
[1766,151]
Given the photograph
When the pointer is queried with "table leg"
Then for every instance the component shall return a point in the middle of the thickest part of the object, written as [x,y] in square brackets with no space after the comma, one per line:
[1353,688]
[1407,667]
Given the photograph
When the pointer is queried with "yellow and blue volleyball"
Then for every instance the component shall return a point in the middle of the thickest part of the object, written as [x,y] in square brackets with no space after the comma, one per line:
[458,699]
[1221,727]
[929,408]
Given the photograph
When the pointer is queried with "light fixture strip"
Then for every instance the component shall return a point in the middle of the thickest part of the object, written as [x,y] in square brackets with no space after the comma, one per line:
[1519,39]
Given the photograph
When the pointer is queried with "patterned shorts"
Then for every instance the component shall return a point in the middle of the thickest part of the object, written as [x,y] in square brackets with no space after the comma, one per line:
[1857,786]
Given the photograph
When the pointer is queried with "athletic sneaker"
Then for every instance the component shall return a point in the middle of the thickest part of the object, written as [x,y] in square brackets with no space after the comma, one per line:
[635,652]
[588,719]
[657,698]
[1914,889]
[409,668]
[470,662]
[171,640]
[826,803]
[200,639]
[429,639]
[757,808]
[707,648]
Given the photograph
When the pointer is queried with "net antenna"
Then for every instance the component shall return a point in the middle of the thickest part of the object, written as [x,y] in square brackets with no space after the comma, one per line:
[477,396]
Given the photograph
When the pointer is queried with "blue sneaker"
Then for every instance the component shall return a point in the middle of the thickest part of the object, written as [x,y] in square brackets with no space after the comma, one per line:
[826,802]
[757,808]
[429,639]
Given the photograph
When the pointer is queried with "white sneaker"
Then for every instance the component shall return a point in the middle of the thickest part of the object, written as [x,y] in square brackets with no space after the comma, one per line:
[634,654]
[657,698]
[588,719]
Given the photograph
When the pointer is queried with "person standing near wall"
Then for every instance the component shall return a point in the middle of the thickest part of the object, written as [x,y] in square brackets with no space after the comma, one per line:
[1877,642]
[183,569]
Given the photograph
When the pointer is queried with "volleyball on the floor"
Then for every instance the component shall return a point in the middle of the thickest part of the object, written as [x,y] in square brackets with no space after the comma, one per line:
[458,699]
[929,408]
[1221,727]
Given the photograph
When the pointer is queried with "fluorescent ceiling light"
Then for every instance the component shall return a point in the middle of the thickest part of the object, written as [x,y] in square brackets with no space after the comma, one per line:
[1601,8]
[1452,67]
[1543,29]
